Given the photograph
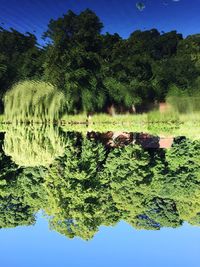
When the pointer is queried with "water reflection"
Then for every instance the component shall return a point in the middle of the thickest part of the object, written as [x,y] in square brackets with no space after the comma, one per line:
[33,145]
[90,182]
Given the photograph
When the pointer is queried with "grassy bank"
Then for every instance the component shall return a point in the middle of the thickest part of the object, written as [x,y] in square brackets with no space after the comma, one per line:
[169,123]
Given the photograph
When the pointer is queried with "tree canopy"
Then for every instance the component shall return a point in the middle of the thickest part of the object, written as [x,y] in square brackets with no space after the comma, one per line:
[92,185]
[95,70]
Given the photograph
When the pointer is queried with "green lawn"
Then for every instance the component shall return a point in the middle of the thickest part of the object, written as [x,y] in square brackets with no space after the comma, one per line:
[166,124]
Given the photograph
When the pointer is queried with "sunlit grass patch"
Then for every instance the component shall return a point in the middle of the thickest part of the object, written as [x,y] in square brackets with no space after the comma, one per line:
[166,117]
[74,119]
[119,119]
[170,123]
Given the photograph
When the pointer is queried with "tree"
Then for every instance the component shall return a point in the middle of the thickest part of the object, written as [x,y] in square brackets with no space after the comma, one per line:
[34,101]
[16,208]
[91,185]
[19,58]
[79,199]
[74,57]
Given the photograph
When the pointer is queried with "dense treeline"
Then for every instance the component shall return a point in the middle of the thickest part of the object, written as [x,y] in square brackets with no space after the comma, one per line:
[91,185]
[96,71]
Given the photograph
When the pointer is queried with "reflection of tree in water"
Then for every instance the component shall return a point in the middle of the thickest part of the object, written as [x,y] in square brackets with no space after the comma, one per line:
[91,185]
[36,145]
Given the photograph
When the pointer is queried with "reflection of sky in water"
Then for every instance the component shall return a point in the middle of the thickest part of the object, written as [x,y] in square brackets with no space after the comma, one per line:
[165,15]
[117,246]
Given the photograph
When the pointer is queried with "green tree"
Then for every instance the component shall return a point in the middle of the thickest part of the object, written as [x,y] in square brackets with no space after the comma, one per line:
[79,199]
[72,60]
[20,58]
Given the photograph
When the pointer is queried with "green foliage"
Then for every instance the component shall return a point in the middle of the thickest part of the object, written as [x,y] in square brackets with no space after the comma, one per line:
[83,185]
[20,58]
[97,71]
[33,146]
[187,101]
[14,210]
[33,101]
[78,199]
[90,185]
[72,61]
[119,93]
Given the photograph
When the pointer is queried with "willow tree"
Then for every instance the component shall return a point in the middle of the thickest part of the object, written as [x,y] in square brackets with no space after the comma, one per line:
[36,145]
[33,101]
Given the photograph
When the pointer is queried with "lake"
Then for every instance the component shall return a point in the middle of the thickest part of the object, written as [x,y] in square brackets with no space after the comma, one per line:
[84,198]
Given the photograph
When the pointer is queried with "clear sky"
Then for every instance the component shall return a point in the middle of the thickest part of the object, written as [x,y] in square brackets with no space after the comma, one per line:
[119,246]
[120,16]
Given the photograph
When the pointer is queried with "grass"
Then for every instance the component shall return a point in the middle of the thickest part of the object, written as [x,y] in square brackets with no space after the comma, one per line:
[103,118]
[165,124]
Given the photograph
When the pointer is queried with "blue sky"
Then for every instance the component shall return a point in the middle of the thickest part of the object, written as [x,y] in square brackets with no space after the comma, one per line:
[113,246]
[117,15]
